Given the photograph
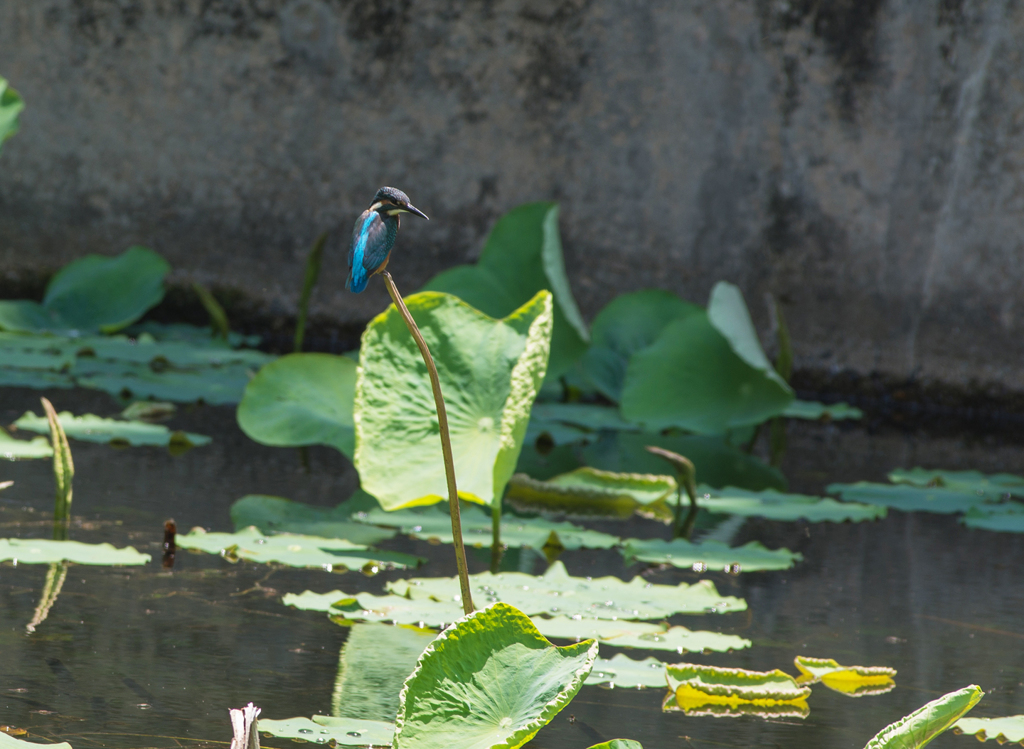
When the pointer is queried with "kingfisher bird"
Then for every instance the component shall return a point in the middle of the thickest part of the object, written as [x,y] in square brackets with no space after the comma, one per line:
[374,235]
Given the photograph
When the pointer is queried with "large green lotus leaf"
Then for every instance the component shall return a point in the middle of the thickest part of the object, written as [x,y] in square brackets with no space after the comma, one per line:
[301,399]
[323,729]
[46,551]
[10,742]
[374,662]
[278,515]
[584,415]
[814,411]
[908,498]
[779,506]
[852,681]
[618,744]
[1009,729]
[1006,518]
[622,671]
[489,680]
[679,552]
[213,385]
[11,105]
[296,551]
[490,371]
[107,293]
[717,462]
[690,680]
[14,449]
[90,428]
[629,323]
[924,724]
[435,524]
[997,485]
[523,255]
[589,491]
[728,313]
[557,592]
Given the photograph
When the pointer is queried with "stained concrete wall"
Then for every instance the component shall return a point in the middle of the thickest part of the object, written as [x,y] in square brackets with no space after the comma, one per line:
[858,159]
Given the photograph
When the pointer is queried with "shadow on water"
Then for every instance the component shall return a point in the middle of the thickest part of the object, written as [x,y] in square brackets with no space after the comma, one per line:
[132,657]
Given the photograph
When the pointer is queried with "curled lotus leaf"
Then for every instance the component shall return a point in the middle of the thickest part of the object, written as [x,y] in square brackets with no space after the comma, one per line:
[1009,729]
[589,491]
[640,635]
[453,700]
[295,550]
[47,551]
[924,724]
[557,592]
[853,681]
[622,671]
[698,705]
[731,686]
[323,729]
[750,557]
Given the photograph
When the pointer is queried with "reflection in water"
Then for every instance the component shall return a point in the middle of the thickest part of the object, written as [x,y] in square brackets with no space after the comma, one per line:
[55,576]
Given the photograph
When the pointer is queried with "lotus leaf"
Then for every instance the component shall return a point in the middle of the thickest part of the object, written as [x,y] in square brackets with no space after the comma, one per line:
[35,379]
[278,515]
[623,671]
[584,415]
[11,742]
[700,705]
[301,399]
[814,411]
[194,335]
[1007,518]
[717,462]
[629,323]
[374,662]
[924,724]
[996,485]
[557,592]
[1009,729]
[779,506]
[216,386]
[853,681]
[14,449]
[434,524]
[46,551]
[366,607]
[750,557]
[323,729]
[455,698]
[490,371]
[522,256]
[11,105]
[294,550]
[908,498]
[147,350]
[731,686]
[90,428]
[589,491]
[705,373]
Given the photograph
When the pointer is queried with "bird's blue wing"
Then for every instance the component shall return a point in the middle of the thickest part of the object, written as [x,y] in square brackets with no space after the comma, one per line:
[372,240]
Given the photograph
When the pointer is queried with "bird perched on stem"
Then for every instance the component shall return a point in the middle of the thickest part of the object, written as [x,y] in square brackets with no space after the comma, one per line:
[374,235]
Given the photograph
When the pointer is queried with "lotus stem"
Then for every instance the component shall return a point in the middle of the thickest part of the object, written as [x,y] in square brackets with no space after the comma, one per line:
[313,261]
[496,549]
[446,442]
[687,481]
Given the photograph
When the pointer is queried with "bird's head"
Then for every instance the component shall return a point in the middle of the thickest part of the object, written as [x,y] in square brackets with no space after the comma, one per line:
[393,201]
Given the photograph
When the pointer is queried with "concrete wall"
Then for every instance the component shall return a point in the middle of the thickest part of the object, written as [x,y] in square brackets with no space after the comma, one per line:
[859,159]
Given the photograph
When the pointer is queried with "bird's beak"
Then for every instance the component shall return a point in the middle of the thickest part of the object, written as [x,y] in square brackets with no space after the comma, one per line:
[410,208]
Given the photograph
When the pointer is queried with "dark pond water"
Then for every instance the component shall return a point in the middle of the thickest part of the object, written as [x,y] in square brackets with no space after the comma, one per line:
[137,657]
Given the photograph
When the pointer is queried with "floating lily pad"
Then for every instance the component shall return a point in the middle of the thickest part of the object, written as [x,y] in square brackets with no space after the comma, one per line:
[750,557]
[1004,730]
[700,705]
[374,663]
[924,724]
[1006,518]
[278,515]
[814,411]
[589,491]
[46,551]
[15,449]
[323,729]
[458,669]
[629,323]
[622,671]
[522,256]
[11,105]
[90,428]
[301,399]
[37,379]
[779,506]
[853,681]
[705,373]
[640,635]
[194,335]
[908,498]
[731,686]
[490,371]
[557,592]
[214,385]
[435,524]
[366,607]
[997,485]
[294,550]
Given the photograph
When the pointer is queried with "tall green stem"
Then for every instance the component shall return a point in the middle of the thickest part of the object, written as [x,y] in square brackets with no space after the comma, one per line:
[496,549]
[63,473]
[313,261]
[446,442]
